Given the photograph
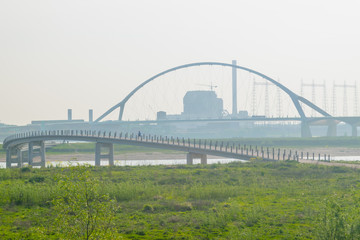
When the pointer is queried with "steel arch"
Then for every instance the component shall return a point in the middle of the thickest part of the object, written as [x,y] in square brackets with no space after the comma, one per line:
[294,97]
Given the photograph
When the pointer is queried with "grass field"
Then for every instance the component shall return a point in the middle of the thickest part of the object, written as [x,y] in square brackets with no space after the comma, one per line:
[255,200]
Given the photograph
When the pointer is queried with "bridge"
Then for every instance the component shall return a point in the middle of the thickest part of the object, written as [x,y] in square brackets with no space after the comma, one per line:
[298,101]
[24,147]
[329,121]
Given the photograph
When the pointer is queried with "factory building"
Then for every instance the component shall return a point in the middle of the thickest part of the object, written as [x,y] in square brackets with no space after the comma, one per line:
[197,105]
[202,104]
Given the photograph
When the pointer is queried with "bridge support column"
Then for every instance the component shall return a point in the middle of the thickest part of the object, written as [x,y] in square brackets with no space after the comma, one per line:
[97,154]
[108,155]
[190,158]
[305,129]
[354,130]
[332,132]
[203,159]
[42,153]
[111,154]
[8,158]
[20,158]
[30,153]
[33,152]
[13,155]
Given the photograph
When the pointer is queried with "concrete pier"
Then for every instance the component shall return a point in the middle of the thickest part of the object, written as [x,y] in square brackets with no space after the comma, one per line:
[35,149]
[332,132]
[191,156]
[30,153]
[8,158]
[354,130]
[109,155]
[305,129]
[20,158]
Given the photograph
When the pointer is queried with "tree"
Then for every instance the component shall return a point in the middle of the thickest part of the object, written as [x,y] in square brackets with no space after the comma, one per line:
[82,212]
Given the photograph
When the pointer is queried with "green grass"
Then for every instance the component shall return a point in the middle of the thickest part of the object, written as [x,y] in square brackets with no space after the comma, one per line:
[255,200]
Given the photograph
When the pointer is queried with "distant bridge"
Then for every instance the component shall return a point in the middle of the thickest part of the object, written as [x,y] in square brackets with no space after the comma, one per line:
[329,121]
[34,145]
[296,99]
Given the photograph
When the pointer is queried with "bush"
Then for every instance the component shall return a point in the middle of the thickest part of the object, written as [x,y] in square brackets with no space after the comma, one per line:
[36,179]
[148,208]
[25,169]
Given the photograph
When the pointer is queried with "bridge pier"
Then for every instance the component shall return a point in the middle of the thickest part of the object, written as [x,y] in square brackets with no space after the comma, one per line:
[30,153]
[354,130]
[190,158]
[108,155]
[332,132]
[14,155]
[42,152]
[8,158]
[36,152]
[305,129]
[20,158]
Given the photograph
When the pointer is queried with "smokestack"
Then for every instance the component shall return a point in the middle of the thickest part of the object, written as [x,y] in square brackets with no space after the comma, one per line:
[90,115]
[69,114]
[234,89]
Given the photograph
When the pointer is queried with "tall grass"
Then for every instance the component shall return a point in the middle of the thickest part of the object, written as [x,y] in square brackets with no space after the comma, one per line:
[235,201]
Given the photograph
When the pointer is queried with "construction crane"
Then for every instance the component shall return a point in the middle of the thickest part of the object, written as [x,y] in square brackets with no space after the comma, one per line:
[211,86]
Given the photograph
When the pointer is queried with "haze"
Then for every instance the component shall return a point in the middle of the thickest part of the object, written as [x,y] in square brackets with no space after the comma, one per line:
[56,55]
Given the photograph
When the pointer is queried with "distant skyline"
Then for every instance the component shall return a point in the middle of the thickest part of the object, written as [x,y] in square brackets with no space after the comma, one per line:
[88,54]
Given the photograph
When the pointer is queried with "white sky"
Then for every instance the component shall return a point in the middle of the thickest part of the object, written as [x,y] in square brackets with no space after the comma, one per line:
[56,55]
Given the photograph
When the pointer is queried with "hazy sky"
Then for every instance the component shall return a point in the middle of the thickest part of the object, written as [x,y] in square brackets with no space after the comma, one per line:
[56,55]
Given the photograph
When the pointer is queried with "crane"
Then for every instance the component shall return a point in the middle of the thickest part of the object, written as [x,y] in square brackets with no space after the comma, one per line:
[206,85]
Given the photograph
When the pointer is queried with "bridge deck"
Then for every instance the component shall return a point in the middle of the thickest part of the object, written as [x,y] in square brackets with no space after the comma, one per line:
[195,147]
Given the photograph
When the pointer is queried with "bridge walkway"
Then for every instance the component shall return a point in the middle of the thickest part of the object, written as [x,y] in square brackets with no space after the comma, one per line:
[34,145]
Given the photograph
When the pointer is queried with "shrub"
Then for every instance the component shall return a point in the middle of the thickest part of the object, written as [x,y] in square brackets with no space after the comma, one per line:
[148,208]
[25,169]
[36,179]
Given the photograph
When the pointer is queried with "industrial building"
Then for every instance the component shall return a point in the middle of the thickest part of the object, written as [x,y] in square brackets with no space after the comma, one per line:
[197,105]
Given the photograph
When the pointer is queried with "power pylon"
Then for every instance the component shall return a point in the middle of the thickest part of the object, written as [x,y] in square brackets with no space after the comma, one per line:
[345,97]
[313,86]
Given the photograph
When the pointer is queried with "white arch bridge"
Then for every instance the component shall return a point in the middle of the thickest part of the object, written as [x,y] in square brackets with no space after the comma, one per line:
[25,147]
[296,99]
